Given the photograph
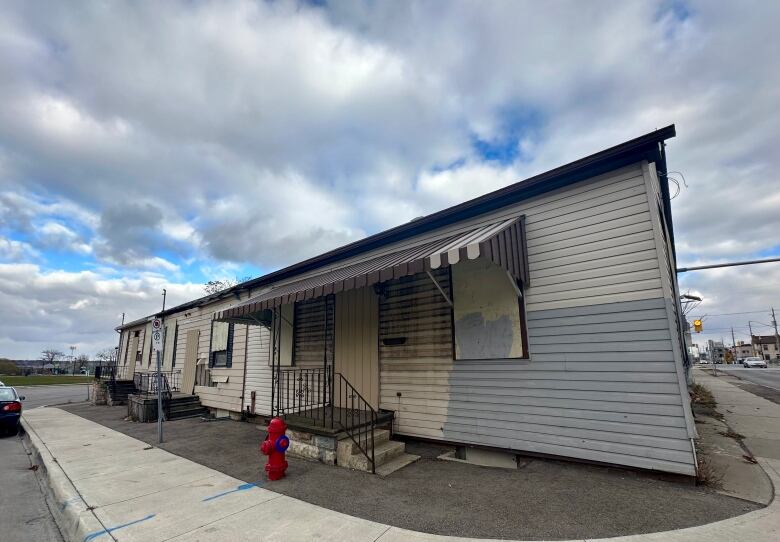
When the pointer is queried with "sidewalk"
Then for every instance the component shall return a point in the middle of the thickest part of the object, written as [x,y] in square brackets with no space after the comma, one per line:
[166,497]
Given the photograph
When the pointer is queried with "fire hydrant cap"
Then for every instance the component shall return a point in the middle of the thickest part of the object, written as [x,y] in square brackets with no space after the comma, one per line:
[277,425]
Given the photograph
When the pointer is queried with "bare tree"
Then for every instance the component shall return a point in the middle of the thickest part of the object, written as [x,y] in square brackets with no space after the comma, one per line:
[51,356]
[216,286]
[107,355]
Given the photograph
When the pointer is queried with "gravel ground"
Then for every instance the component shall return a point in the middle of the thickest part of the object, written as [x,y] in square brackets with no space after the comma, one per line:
[545,499]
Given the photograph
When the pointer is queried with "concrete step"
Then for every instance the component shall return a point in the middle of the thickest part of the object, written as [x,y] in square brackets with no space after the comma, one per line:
[190,413]
[396,463]
[382,454]
[348,447]
[182,408]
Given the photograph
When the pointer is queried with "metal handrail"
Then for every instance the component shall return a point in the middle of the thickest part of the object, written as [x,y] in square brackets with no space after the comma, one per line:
[362,431]
[328,399]
[146,384]
[304,393]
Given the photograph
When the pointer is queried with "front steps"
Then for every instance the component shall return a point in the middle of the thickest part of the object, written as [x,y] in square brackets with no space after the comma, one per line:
[118,392]
[341,450]
[183,406]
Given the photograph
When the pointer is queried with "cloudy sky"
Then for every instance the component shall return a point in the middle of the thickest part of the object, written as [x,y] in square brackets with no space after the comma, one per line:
[150,145]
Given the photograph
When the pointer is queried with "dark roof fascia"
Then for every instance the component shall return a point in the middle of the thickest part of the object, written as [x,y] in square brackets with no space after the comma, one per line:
[646,147]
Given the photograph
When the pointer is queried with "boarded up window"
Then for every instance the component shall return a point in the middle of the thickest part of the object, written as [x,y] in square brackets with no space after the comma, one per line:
[487,312]
[415,321]
[313,339]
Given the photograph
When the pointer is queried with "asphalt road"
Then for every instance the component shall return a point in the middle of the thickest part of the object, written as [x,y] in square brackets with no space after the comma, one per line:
[36,396]
[24,514]
[765,377]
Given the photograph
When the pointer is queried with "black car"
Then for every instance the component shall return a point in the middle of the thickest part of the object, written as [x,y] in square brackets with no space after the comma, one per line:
[10,410]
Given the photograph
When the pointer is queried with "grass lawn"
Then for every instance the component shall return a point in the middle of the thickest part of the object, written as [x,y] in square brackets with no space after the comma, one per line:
[44,380]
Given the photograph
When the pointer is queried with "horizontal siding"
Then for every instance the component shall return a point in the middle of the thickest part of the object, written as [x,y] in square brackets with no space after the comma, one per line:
[636,416]
[258,370]
[223,395]
[412,308]
[601,381]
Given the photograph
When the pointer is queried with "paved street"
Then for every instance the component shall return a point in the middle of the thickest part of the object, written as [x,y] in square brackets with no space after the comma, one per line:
[36,396]
[24,515]
[766,377]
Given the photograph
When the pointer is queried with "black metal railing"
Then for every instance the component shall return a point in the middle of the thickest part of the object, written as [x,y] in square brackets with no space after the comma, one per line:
[304,393]
[146,384]
[327,399]
[355,416]
[112,372]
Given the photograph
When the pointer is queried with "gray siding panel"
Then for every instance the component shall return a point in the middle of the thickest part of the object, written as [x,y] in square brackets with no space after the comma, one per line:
[601,379]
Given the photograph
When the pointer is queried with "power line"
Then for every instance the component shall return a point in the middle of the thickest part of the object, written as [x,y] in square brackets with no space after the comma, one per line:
[733,313]
[728,264]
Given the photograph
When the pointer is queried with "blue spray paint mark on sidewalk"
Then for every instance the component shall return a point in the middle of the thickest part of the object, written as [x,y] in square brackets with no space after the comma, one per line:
[96,534]
[242,487]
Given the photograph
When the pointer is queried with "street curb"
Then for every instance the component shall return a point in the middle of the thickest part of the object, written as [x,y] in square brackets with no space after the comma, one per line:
[74,517]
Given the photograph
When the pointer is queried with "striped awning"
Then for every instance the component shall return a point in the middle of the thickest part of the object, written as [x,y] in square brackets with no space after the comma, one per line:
[502,242]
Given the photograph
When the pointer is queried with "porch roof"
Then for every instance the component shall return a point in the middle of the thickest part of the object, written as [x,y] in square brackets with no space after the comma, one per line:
[502,242]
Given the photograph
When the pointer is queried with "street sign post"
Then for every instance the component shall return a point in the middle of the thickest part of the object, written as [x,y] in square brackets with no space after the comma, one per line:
[157,342]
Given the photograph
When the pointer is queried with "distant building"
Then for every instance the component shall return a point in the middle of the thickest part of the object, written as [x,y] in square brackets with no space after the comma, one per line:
[742,350]
[716,352]
[765,346]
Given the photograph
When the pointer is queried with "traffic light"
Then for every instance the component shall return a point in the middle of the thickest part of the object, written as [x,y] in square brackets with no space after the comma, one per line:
[697,326]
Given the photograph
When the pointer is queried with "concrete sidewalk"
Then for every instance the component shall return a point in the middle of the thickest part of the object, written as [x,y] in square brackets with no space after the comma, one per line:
[108,486]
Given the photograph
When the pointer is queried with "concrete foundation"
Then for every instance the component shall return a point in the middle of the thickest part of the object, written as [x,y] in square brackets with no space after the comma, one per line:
[142,409]
[99,393]
[312,447]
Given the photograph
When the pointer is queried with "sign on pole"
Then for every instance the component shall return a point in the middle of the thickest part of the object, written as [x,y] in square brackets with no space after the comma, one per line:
[157,332]
[157,341]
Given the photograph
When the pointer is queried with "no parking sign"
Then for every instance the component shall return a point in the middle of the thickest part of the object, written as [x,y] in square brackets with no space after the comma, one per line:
[157,334]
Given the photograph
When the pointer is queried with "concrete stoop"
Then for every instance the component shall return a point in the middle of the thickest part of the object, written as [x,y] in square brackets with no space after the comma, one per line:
[341,450]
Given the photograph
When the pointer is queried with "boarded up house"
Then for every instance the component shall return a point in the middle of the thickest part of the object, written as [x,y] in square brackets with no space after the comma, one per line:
[541,318]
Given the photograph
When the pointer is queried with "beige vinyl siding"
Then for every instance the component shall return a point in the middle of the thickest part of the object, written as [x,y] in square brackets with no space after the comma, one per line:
[357,342]
[414,375]
[601,383]
[146,352]
[258,370]
[222,395]
[169,347]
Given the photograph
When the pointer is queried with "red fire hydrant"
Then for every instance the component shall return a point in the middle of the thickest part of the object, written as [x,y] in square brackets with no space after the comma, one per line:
[274,446]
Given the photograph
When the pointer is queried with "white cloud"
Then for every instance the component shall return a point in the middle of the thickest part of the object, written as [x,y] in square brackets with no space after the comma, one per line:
[41,309]
[13,251]
[182,135]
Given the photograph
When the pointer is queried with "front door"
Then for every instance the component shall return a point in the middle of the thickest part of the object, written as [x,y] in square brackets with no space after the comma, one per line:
[190,361]
[357,341]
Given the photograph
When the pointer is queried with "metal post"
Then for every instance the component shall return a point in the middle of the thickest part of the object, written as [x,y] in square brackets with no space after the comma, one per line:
[159,401]
[777,337]
[734,347]
[752,350]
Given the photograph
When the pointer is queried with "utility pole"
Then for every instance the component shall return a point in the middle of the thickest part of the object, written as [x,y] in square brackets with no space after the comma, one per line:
[777,337]
[752,350]
[733,347]
[72,360]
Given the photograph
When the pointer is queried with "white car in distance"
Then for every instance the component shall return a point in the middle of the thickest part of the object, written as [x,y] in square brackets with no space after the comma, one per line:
[753,362]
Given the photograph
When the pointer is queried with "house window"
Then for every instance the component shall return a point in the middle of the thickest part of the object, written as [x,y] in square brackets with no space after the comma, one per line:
[488,312]
[313,324]
[221,351]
